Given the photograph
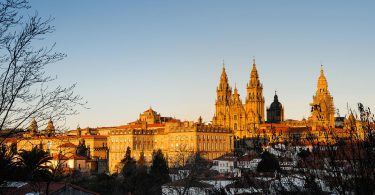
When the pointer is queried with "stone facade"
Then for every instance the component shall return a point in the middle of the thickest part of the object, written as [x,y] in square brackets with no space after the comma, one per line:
[230,112]
[178,140]
[322,107]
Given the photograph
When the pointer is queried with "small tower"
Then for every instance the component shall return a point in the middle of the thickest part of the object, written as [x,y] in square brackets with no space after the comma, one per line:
[79,131]
[33,128]
[200,120]
[50,129]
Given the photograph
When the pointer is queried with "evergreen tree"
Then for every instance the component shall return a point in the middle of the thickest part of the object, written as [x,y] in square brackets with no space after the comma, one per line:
[268,163]
[141,163]
[129,163]
[142,160]
[159,168]
[128,171]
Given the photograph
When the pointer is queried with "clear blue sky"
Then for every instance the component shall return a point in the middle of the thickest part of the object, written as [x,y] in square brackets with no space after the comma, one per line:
[128,55]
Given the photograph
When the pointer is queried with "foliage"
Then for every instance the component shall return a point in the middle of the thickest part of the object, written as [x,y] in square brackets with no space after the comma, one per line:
[159,168]
[35,164]
[24,91]
[129,163]
[304,153]
[7,166]
[269,163]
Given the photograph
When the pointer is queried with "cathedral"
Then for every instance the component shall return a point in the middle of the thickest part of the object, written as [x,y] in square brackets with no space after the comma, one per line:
[234,120]
[246,119]
[232,113]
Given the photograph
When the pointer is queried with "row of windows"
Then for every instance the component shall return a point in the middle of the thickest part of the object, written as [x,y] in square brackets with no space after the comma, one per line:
[212,146]
[211,137]
[176,138]
[121,155]
[134,146]
[136,132]
[130,139]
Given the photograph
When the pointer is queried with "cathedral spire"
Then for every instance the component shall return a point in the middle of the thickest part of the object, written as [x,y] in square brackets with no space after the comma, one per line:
[254,71]
[223,79]
[322,82]
[235,89]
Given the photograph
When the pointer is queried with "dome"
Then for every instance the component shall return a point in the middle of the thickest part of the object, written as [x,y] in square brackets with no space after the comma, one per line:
[275,104]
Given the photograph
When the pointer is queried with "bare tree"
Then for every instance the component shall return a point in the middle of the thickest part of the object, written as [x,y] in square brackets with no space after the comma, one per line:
[341,161]
[25,90]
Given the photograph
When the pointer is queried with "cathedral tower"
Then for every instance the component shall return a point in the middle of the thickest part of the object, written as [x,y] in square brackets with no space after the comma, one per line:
[322,108]
[223,97]
[254,105]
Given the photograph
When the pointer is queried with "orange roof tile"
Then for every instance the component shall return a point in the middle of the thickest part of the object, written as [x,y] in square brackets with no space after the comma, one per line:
[68,145]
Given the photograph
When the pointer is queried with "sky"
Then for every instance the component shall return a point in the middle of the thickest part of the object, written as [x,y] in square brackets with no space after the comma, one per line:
[126,56]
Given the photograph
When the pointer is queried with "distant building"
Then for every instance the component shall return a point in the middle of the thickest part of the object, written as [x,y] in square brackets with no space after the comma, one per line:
[225,164]
[275,113]
[249,161]
[186,186]
[178,140]
[231,113]
[322,107]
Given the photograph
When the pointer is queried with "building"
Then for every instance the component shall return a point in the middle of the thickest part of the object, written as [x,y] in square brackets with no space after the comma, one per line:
[275,113]
[225,164]
[186,186]
[249,161]
[234,121]
[322,107]
[230,112]
[177,139]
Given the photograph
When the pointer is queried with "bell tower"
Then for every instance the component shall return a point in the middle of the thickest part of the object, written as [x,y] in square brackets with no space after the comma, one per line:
[223,97]
[322,108]
[254,105]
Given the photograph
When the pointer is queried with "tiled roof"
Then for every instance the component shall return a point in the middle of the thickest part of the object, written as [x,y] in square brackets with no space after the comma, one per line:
[68,145]
[227,158]
[140,126]
[65,157]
